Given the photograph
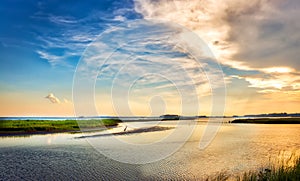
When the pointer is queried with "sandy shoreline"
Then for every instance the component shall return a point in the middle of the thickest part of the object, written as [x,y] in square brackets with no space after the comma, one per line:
[139,130]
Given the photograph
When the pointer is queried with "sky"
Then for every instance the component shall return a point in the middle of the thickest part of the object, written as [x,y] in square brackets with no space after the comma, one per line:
[143,57]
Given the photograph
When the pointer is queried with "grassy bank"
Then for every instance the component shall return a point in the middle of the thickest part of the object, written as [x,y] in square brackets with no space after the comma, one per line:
[287,169]
[269,120]
[34,126]
[284,170]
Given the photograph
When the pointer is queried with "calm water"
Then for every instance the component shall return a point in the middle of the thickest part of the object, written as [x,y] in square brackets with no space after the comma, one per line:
[236,148]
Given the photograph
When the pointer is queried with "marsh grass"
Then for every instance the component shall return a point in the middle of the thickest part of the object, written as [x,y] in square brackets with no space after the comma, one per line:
[285,167]
[15,126]
[222,176]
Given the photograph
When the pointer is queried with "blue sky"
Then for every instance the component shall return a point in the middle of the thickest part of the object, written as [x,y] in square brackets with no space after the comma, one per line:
[256,44]
[41,41]
[44,40]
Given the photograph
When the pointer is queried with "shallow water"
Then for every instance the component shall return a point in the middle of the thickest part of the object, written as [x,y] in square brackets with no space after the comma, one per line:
[236,148]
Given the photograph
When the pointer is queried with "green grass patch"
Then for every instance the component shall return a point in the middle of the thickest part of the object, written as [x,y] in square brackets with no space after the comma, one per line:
[10,126]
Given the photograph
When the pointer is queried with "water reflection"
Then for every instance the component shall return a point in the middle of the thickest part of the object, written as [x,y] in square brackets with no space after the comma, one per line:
[236,148]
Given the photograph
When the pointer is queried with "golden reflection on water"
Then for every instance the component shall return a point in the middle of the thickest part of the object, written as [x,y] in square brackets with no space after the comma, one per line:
[235,149]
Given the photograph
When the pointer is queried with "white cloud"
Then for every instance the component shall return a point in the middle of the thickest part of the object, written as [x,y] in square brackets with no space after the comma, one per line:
[277,81]
[238,32]
[119,18]
[52,98]
[66,101]
[257,35]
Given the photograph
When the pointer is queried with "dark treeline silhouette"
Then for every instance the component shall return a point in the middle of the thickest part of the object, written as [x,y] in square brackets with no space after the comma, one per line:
[274,115]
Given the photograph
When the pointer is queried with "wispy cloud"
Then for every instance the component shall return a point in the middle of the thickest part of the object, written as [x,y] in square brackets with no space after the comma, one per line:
[59,49]
[62,20]
[73,34]
[146,59]
[119,18]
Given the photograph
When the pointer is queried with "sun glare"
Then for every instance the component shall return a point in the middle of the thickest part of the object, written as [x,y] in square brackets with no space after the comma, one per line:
[278,70]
